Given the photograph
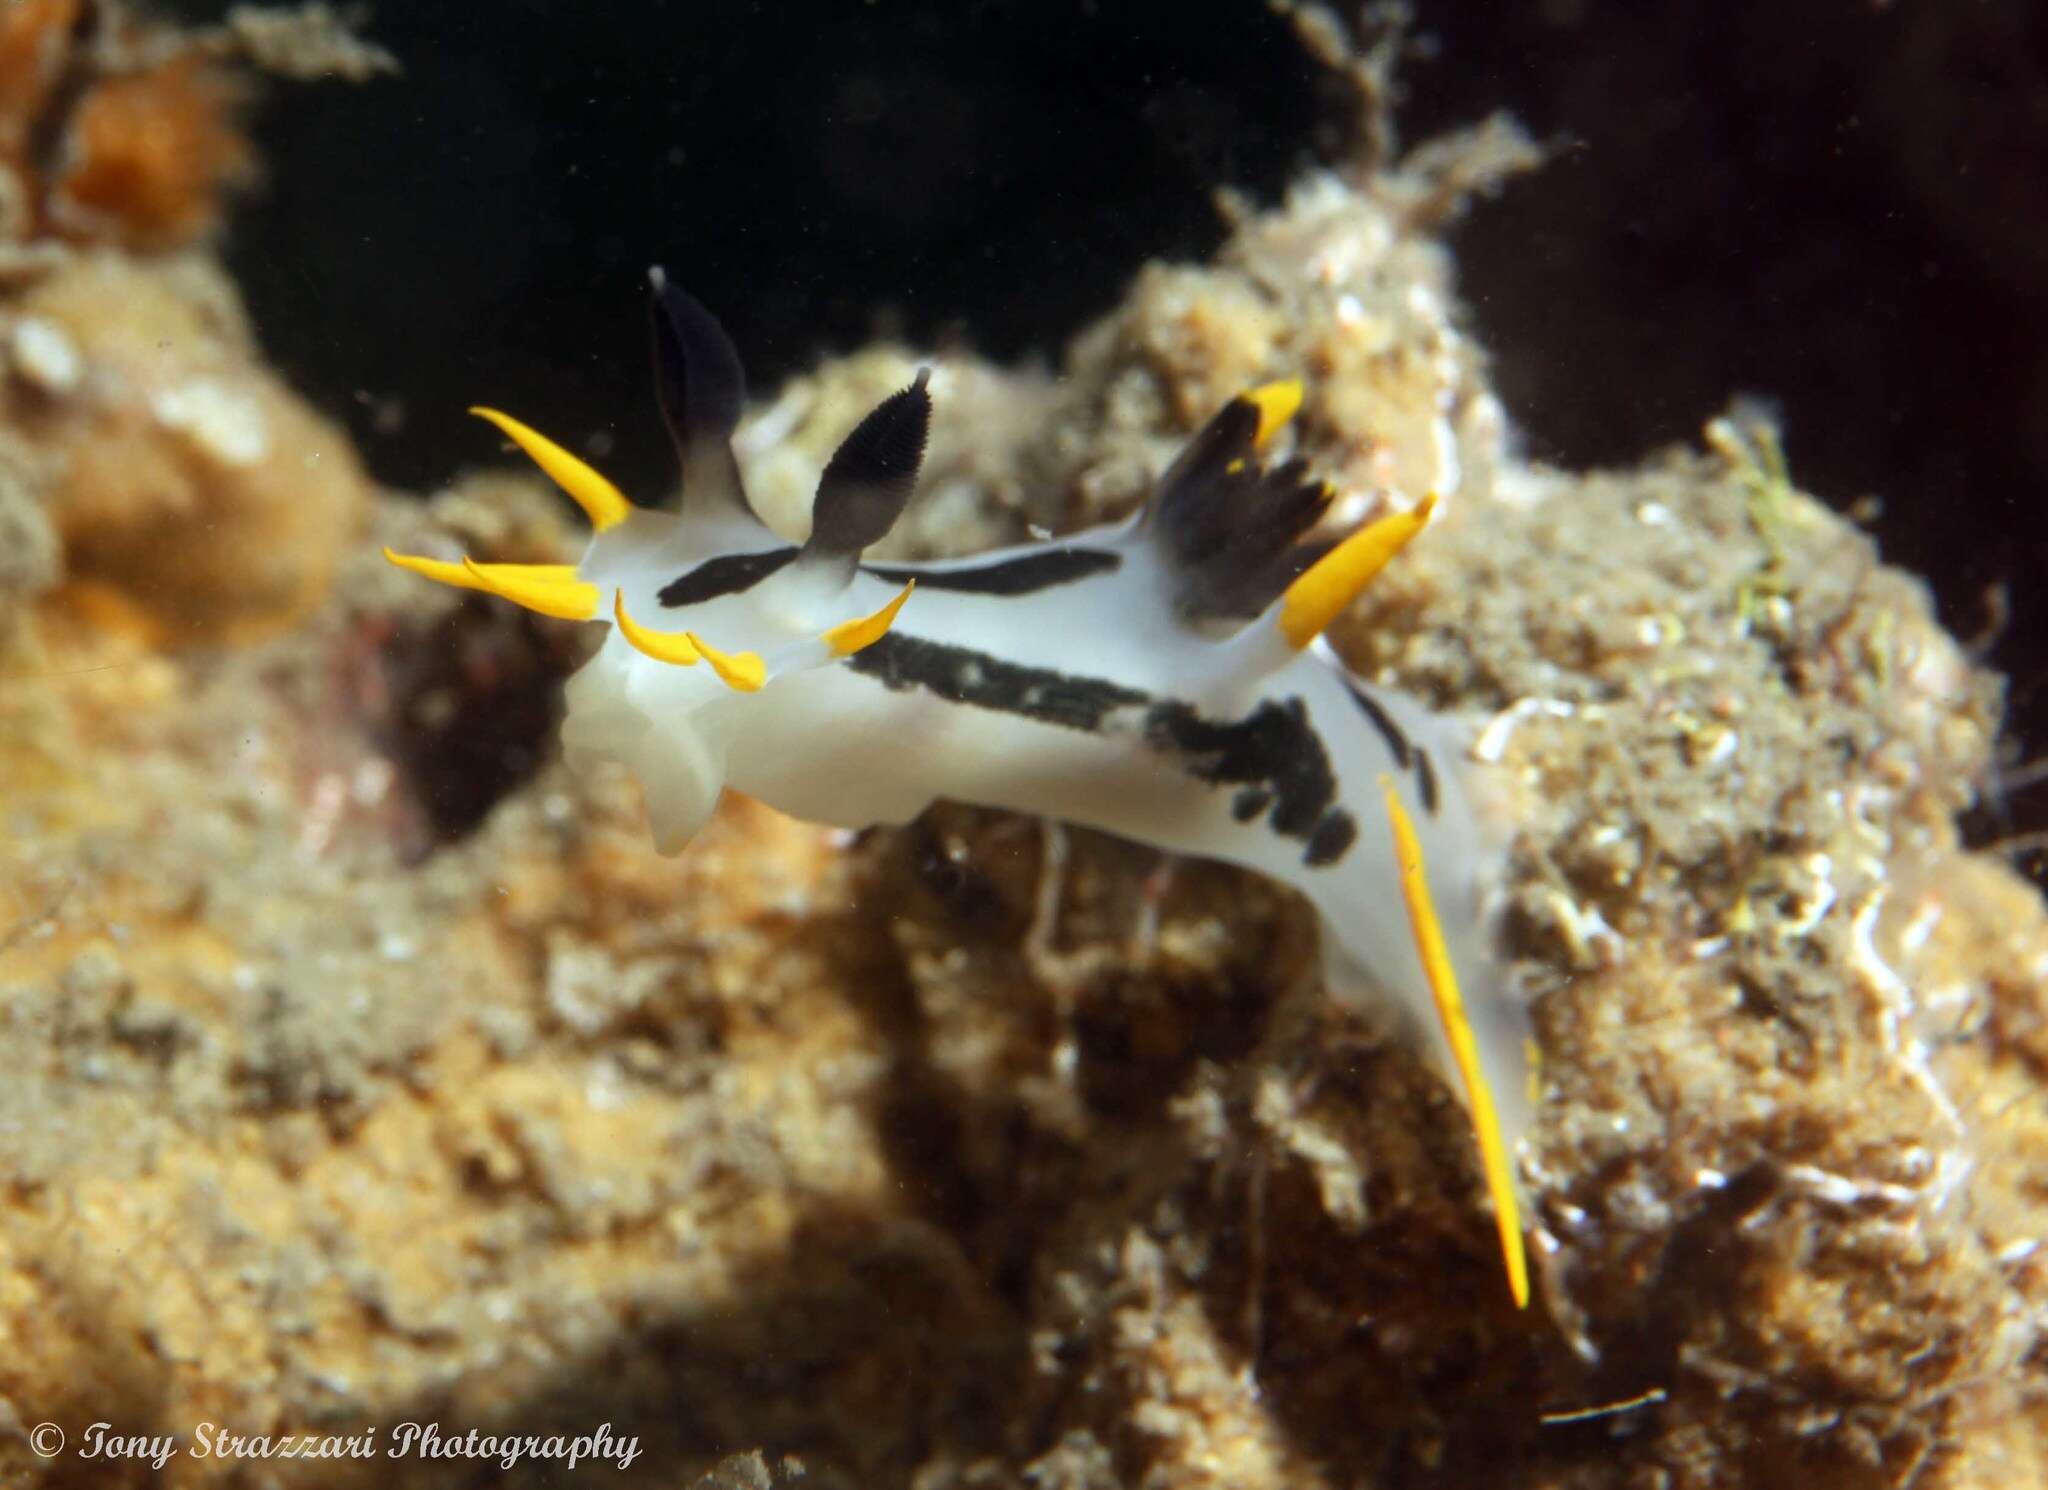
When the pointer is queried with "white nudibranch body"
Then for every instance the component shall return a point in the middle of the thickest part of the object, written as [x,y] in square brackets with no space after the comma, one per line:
[1162,679]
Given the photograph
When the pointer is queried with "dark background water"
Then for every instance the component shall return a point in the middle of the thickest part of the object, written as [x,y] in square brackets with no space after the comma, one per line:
[1842,206]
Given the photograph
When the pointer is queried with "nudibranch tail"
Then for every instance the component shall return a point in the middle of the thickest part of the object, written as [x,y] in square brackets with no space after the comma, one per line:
[1340,576]
[603,503]
[1495,1160]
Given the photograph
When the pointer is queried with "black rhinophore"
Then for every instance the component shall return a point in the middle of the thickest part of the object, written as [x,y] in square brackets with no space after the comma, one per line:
[868,481]
[702,391]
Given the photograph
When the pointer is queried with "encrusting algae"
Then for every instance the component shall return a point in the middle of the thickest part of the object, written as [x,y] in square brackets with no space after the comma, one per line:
[195,496]
[983,1151]
[118,130]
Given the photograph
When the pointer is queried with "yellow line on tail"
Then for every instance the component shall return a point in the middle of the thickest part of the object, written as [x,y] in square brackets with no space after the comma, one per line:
[1450,1009]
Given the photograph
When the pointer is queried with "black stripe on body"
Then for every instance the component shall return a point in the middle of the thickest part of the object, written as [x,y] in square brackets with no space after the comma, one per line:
[1273,755]
[1405,752]
[1397,743]
[983,681]
[1425,779]
[728,574]
[1024,575]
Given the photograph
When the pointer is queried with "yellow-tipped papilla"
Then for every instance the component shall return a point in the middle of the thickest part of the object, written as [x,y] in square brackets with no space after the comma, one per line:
[551,589]
[604,503]
[440,571]
[466,574]
[1277,403]
[1494,1159]
[742,671]
[1319,596]
[848,637]
[663,646]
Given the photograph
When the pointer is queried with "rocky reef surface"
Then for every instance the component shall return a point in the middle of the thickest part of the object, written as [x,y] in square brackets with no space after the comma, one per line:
[360,1066]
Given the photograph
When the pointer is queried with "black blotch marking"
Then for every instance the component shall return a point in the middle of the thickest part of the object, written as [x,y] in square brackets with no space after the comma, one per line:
[1397,743]
[726,575]
[1334,834]
[1250,802]
[980,680]
[1024,575]
[1425,779]
[1273,747]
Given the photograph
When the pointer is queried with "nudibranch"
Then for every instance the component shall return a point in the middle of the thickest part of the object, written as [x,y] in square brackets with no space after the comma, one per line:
[1162,678]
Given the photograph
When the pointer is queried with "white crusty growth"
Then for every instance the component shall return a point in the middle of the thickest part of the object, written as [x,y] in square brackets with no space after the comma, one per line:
[1162,679]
